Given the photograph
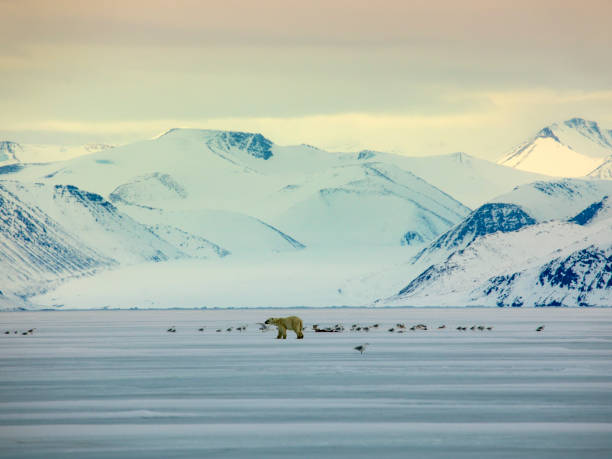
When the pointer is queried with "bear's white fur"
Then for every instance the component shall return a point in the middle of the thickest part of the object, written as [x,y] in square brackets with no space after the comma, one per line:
[283,323]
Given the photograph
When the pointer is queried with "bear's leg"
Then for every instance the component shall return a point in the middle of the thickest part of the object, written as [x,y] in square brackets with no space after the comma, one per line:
[299,334]
[284,333]
[280,333]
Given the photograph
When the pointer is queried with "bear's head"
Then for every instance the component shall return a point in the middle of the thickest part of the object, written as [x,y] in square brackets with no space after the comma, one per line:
[270,321]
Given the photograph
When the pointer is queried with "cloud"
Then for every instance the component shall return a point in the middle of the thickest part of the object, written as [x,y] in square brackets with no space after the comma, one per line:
[489,130]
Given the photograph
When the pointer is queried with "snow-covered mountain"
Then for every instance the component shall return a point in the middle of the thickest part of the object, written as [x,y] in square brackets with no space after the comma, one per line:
[9,151]
[206,197]
[573,148]
[506,258]
[557,199]
[210,194]
[13,152]
[470,180]
[36,250]
[241,191]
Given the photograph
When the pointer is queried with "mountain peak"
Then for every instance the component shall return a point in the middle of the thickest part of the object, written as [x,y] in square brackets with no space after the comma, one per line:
[254,144]
[547,132]
[580,122]
[8,150]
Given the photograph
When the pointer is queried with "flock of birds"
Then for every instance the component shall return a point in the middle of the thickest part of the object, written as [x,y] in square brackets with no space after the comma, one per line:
[339,328]
[17,332]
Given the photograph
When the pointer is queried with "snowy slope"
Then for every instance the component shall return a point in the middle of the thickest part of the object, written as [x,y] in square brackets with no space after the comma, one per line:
[557,199]
[36,251]
[553,263]
[231,232]
[488,219]
[470,180]
[573,148]
[96,223]
[369,203]
[603,171]
[13,152]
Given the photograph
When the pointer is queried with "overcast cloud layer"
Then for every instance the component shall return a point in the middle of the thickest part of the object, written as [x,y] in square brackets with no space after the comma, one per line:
[416,77]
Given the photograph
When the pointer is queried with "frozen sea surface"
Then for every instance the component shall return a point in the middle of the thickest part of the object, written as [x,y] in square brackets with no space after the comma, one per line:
[101,384]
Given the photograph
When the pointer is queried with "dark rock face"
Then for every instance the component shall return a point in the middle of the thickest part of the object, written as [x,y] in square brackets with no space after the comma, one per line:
[254,144]
[411,237]
[9,169]
[84,197]
[584,271]
[547,132]
[6,146]
[487,219]
[366,154]
[501,287]
[563,188]
[588,214]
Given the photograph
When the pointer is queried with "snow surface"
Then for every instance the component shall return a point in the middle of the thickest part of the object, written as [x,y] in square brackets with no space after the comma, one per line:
[99,384]
[307,277]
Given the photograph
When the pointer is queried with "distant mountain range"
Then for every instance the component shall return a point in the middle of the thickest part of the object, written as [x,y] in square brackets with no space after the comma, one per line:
[468,231]
[573,148]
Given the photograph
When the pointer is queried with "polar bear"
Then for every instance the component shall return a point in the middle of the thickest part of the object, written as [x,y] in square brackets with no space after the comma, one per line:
[283,323]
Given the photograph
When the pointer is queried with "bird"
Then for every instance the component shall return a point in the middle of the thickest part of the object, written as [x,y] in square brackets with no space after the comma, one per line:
[172,329]
[31,330]
[201,329]
[230,329]
[375,326]
[391,330]
[24,333]
[361,348]
[540,328]
[7,332]
[481,327]
[441,327]
[218,330]
[489,328]
[366,329]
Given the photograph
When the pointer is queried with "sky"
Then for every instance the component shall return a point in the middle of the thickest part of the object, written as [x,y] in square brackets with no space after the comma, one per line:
[411,77]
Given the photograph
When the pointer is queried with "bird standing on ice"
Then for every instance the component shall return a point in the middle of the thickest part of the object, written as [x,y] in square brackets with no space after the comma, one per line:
[361,348]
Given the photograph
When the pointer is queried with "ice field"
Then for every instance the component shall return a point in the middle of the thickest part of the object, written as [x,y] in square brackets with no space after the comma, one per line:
[101,384]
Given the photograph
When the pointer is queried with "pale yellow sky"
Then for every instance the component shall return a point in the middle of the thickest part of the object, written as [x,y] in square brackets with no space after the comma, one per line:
[415,77]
